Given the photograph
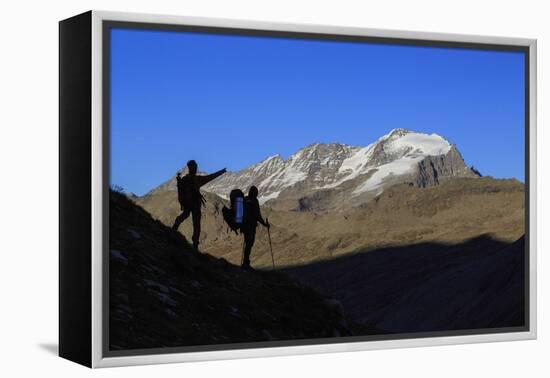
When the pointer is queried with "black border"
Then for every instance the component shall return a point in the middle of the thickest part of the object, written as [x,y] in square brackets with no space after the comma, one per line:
[75,189]
[107,25]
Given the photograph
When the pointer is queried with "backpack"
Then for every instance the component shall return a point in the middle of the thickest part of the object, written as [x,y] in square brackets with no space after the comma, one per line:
[234,215]
[188,196]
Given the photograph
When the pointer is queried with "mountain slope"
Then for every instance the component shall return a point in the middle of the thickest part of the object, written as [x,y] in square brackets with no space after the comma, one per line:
[164,295]
[454,211]
[428,286]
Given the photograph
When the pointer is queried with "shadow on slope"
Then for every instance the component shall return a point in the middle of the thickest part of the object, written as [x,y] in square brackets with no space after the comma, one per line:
[162,294]
[427,287]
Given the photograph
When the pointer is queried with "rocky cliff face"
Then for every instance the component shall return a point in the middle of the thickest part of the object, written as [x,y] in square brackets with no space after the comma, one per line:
[435,170]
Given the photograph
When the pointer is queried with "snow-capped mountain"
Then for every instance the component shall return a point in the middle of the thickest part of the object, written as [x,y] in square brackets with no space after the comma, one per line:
[314,166]
[400,156]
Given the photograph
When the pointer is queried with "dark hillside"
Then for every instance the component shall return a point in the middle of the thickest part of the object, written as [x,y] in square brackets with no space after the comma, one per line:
[428,286]
[162,294]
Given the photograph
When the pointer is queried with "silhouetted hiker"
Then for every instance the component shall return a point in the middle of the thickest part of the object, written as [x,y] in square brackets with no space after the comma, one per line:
[191,199]
[252,216]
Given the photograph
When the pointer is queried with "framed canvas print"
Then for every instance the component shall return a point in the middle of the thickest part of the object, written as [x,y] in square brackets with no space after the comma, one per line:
[237,188]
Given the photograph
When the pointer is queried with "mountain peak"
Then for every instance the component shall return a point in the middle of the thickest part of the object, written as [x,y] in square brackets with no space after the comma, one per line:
[268,165]
[396,133]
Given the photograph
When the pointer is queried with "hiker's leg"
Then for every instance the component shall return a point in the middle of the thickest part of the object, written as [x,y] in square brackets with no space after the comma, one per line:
[247,250]
[180,218]
[252,237]
[249,237]
[196,228]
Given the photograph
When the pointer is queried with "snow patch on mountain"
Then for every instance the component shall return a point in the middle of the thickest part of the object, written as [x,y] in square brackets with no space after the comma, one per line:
[421,143]
[284,178]
[354,163]
[383,172]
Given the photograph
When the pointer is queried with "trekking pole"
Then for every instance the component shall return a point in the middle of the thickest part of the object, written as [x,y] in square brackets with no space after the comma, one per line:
[242,254]
[270,246]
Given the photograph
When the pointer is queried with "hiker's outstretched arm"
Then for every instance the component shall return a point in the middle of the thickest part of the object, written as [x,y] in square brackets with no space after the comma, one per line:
[203,180]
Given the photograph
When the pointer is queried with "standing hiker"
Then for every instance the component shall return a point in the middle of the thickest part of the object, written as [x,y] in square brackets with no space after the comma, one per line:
[191,199]
[252,216]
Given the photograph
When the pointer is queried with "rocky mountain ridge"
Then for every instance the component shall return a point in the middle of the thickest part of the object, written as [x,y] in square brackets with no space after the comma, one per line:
[357,173]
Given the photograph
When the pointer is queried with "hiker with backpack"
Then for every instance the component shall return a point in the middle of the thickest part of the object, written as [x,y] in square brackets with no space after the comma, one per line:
[190,198]
[252,215]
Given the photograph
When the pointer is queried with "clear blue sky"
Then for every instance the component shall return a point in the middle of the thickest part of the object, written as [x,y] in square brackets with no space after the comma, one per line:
[230,101]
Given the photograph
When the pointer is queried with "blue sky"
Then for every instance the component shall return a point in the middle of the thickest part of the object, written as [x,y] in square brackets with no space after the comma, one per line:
[230,101]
